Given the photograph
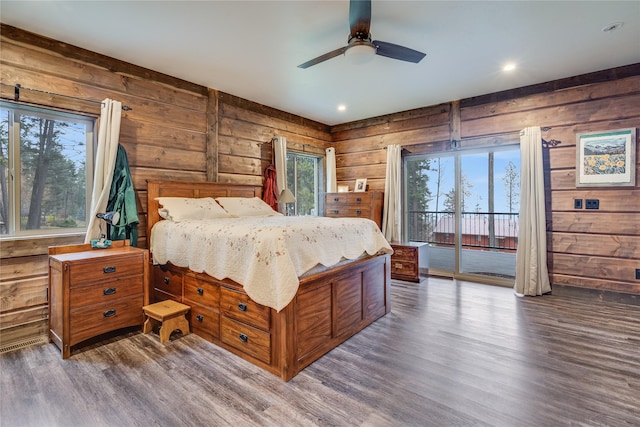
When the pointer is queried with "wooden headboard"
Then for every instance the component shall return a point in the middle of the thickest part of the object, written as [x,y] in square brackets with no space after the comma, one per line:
[194,189]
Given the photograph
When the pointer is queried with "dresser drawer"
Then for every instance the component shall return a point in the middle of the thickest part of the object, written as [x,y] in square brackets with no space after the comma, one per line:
[341,199]
[105,291]
[201,292]
[89,321]
[240,307]
[251,341]
[167,281]
[204,322]
[348,211]
[107,268]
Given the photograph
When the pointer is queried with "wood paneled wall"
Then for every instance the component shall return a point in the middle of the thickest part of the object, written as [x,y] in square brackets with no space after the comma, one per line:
[175,130]
[588,249]
[180,130]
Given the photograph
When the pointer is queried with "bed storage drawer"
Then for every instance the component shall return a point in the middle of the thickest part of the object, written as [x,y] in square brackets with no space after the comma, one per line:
[168,282]
[204,321]
[237,305]
[251,341]
[200,292]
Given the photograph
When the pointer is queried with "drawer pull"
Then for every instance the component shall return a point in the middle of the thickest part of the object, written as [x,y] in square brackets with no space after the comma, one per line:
[358,199]
[166,280]
[336,199]
[109,291]
[109,269]
[242,306]
[199,318]
[200,291]
[109,313]
[335,211]
[243,338]
[358,212]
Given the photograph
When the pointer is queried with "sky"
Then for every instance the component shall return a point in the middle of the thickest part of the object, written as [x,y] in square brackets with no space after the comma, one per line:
[475,167]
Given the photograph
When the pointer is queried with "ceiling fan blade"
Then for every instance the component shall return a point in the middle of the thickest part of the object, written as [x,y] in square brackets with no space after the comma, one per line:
[395,51]
[323,58]
[359,18]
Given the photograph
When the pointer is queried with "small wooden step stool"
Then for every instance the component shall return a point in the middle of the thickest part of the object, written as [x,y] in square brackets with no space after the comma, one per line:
[170,314]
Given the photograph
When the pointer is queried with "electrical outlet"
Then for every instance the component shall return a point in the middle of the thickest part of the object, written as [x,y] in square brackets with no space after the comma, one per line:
[577,203]
[592,204]
[637,273]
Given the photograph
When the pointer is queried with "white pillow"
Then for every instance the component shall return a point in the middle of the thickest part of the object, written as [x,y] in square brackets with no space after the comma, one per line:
[181,208]
[246,206]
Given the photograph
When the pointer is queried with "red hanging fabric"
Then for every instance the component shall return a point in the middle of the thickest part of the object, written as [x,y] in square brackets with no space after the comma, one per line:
[270,190]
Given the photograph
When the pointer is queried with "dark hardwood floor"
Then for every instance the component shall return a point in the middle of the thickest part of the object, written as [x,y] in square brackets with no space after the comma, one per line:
[449,354]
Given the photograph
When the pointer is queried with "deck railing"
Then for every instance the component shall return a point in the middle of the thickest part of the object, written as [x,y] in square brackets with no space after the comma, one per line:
[479,230]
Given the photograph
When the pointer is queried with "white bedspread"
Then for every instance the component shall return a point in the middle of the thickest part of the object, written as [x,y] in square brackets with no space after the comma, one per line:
[266,255]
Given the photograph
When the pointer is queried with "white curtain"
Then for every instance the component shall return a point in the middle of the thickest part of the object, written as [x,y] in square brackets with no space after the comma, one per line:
[532,276]
[280,157]
[108,137]
[332,183]
[392,213]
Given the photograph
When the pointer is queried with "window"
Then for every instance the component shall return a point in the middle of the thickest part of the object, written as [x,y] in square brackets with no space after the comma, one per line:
[303,179]
[46,169]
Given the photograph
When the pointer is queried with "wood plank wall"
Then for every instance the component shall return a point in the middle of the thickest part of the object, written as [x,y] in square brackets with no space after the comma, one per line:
[594,250]
[175,130]
[180,130]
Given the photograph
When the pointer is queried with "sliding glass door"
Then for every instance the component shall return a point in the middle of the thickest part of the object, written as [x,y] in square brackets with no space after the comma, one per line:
[465,205]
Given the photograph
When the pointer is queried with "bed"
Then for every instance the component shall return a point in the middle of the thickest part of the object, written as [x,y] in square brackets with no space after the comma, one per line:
[283,335]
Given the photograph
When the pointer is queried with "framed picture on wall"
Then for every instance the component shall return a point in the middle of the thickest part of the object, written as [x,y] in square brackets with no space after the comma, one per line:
[606,159]
[361,184]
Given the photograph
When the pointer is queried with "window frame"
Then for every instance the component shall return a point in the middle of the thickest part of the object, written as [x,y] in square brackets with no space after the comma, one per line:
[318,179]
[14,180]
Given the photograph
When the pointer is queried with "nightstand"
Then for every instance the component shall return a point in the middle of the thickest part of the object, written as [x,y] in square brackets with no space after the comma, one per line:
[94,291]
[408,259]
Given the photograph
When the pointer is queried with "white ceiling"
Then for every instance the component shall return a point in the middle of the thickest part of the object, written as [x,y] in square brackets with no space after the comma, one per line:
[252,48]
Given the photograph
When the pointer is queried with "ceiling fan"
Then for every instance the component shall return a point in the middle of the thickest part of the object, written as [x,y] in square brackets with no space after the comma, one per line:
[360,39]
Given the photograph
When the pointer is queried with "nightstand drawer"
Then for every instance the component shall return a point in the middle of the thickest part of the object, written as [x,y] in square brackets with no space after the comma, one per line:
[404,253]
[240,307]
[251,341]
[204,322]
[104,268]
[404,268]
[87,322]
[105,291]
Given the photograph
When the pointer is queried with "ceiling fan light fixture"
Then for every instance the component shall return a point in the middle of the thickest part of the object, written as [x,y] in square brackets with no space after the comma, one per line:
[360,53]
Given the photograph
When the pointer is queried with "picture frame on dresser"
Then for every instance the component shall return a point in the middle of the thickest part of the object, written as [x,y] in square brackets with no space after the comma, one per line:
[361,185]
[606,158]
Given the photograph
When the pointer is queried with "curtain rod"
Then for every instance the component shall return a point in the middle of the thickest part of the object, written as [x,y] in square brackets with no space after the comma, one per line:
[302,144]
[17,88]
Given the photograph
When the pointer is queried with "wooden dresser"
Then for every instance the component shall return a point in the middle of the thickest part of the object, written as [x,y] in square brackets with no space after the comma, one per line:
[367,204]
[407,260]
[94,291]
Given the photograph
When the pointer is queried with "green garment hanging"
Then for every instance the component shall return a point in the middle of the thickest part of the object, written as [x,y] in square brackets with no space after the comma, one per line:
[122,199]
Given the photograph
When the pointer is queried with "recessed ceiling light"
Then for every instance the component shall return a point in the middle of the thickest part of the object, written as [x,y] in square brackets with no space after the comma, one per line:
[612,27]
[509,67]
[342,107]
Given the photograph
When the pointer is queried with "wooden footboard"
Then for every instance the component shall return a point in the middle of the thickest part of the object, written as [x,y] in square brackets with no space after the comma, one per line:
[328,308]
